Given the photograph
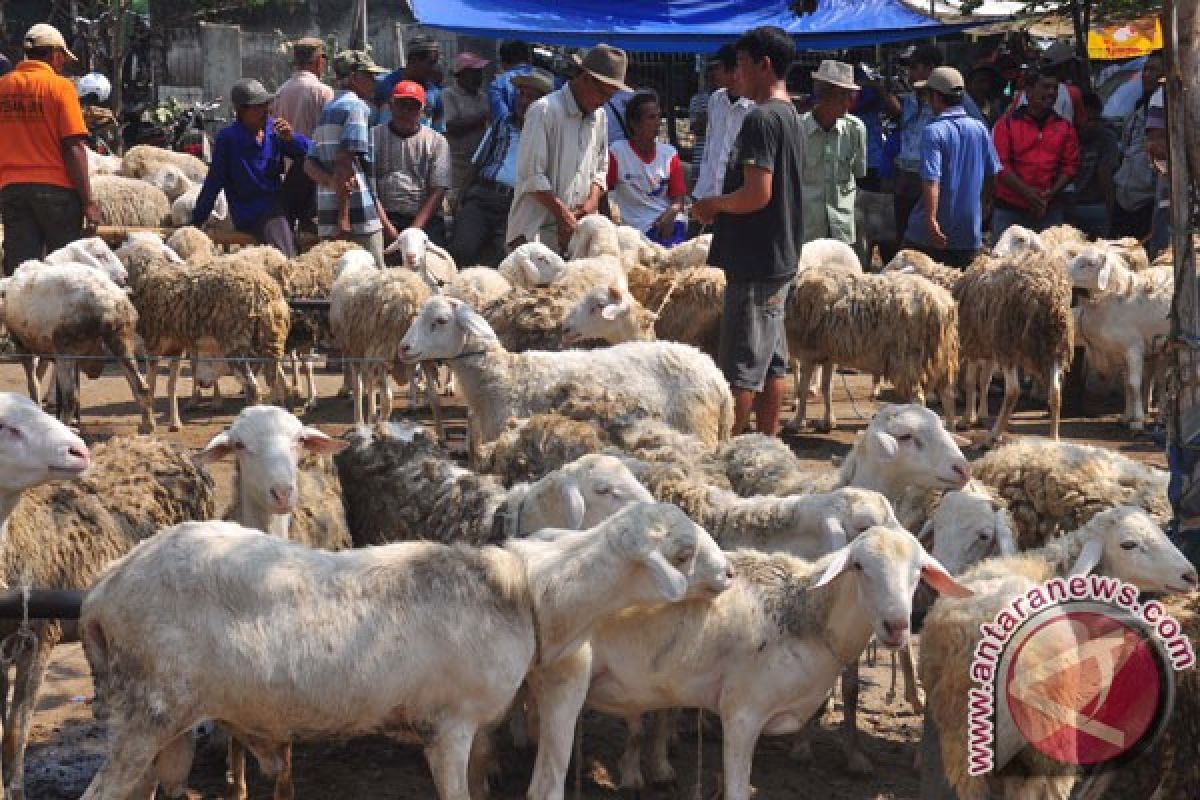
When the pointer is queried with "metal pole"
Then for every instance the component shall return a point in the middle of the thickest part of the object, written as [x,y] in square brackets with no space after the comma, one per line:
[43,603]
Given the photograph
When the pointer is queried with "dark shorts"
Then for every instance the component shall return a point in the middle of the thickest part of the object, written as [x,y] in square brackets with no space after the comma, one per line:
[753,337]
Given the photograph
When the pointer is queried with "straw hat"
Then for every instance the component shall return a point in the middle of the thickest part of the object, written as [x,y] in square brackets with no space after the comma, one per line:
[836,73]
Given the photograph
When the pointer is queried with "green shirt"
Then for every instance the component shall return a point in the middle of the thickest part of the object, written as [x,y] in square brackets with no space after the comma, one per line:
[832,160]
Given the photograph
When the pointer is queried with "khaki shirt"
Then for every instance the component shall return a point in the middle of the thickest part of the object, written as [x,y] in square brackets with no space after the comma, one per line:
[300,101]
[832,160]
[563,151]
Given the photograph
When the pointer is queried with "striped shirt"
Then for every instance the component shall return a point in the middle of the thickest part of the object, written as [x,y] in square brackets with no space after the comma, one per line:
[497,153]
[343,127]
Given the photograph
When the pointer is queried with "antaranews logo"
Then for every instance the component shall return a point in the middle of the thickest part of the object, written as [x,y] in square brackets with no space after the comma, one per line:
[1076,668]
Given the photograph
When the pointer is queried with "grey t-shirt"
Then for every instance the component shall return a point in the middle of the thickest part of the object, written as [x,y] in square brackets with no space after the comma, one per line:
[407,167]
[764,245]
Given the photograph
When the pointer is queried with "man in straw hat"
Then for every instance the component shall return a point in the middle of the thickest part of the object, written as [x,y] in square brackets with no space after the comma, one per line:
[487,191]
[562,165]
[757,230]
[45,193]
[958,167]
[835,155]
[299,101]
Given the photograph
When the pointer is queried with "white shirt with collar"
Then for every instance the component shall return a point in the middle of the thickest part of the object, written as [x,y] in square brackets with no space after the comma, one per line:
[724,122]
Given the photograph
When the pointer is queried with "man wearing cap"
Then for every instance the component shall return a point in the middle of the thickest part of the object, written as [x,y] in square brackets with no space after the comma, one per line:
[1039,151]
[247,164]
[758,231]
[45,193]
[727,107]
[466,113]
[299,101]
[423,53]
[488,191]
[502,93]
[339,160]
[835,155]
[412,165]
[958,165]
[562,165]
[1059,60]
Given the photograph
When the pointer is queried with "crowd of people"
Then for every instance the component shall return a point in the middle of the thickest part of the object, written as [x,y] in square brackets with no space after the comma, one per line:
[526,156]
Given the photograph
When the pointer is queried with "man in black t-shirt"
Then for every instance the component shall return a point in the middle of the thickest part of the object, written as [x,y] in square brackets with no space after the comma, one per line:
[757,230]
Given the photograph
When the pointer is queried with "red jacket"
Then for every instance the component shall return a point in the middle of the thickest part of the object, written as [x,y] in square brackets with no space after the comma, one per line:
[1037,154]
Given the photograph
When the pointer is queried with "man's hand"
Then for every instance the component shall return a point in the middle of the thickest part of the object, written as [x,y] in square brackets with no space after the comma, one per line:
[936,238]
[567,223]
[389,230]
[705,210]
[665,225]
[91,215]
[590,205]
[283,128]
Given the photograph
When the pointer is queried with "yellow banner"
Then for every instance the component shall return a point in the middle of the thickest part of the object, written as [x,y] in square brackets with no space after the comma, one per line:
[1128,40]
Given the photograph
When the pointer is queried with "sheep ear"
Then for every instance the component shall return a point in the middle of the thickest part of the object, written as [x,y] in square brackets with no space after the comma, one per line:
[1103,276]
[316,441]
[941,581]
[612,310]
[573,505]
[472,322]
[216,449]
[835,534]
[531,271]
[886,444]
[1089,557]
[960,440]
[672,584]
[836,567]
[907,269]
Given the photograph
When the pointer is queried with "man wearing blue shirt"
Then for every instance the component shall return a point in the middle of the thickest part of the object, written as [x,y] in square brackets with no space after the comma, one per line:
[958,165]
[488,192]
[423,54]
[248,165]
[502,93]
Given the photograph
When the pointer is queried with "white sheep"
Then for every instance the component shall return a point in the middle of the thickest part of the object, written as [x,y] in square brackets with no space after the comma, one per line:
[67,310]
[596,235]
[142,161]
[530,264]
[674,382]
[534,264]
[1124,543]
[685,255]
[764,654]
[459,628]
[183,206]
[477,286]
[172,180]
[433,263]
[95,253]
[1124,320]
[130,203]
[101,164]
[828,254]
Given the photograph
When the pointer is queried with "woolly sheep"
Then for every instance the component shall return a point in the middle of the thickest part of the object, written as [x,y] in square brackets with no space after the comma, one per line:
[223,311]
[370,310]
[828,254]
[534,264]
[102,165]
[477,286]
[130,203]
[764,654]
[63,535]
[636,247]
[142,161]
[918,263]
[1123,542]
[671,381]
[183,206]
[532,319]
[435,266]
[1015,313]
[74,310]
[530,264]
[685,255]
[95,253]
[1124,319]
[172,180]
[1054,487]
[460,629]
[192,245]
[596,235]
[835,316]
[400,486]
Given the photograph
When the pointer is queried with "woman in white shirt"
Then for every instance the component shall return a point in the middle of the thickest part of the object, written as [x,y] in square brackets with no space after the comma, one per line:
[645,177]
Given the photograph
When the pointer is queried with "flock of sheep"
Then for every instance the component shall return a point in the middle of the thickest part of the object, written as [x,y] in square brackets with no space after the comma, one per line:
[611,546]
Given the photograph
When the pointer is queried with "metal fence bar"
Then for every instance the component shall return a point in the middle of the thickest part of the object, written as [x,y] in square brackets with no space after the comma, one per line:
[43,603]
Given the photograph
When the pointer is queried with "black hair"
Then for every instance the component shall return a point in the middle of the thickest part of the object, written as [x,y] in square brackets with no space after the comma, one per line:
[514,51]
[951,99]
[1093,102]
[928,55]
[769,41]
[726,56]
[633,108]
[39,53]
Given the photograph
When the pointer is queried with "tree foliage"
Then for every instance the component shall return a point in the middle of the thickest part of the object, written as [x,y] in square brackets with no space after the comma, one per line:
[1098,11]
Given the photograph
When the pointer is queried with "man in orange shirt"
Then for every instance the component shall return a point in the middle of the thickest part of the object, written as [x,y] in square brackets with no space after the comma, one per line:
[45,194]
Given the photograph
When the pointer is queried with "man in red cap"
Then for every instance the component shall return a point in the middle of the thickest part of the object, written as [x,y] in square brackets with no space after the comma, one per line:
[466,113]
[412,165]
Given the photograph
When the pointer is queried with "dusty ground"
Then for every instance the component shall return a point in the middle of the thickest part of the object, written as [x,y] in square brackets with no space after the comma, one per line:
[67,745]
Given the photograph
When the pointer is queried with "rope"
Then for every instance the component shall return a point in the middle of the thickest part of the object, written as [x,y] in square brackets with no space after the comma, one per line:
[23,637]
[850,397]
[670,290]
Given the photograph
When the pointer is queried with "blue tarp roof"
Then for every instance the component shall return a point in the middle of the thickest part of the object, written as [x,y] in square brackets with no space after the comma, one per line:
[684,26]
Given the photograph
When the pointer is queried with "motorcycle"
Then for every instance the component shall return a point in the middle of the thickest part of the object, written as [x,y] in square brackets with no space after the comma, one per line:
[174,126]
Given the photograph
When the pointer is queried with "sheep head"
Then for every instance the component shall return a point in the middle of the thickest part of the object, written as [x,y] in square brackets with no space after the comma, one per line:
[1100,269]
[1126,543]
[968,526]
[596,235]
[681,557]
[1016,240]
[602,313]
[532,264]
[35,448]
[906,444]
[445,328]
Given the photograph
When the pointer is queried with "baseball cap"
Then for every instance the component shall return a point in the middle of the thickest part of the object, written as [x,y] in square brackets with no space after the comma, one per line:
[43,35]
[348,62]
[944,80]
[409,90]
[422,43]
[308,48]
[249,92]
[469,60]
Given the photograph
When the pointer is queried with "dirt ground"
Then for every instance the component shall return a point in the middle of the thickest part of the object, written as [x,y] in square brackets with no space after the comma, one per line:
[67,745]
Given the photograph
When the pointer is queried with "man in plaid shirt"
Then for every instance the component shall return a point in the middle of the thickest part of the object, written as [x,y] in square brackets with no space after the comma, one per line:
[341,157]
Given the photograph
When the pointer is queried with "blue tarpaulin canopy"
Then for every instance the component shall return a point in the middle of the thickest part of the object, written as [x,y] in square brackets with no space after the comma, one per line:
[680,26]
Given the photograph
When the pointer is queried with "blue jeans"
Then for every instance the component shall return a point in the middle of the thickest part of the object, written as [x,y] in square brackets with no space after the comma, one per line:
[1091,219]
[1160,233]
[1005,218]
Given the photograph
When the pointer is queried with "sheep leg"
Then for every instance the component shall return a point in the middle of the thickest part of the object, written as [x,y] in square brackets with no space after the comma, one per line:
[1054,399]
[803,378]
[629,766]
[829,422]
[740,731]
[948,414]
[372,382]
[32,365]
[175,423]
[311,381]
[277,382]
[294,358]
[137,385]
[661,771]
[284,787]
[1012,392]
[449,756]
[385,395]
[235,775]
[1135,413]
[856,760]
[435,406]
[985,385]
[196,399]
[132,750]
[912,689]
[171,767]
[971,380]
[559,691]
[31,670]
[356,391]
[66,378]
